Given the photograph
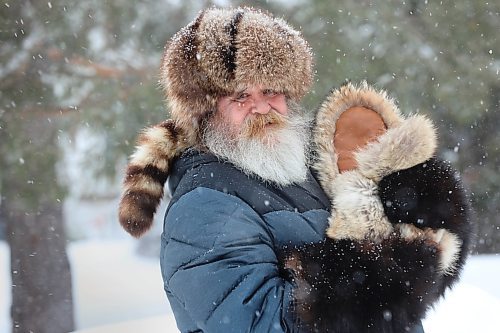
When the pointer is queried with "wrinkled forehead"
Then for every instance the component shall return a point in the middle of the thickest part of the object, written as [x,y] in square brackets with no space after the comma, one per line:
[250,87]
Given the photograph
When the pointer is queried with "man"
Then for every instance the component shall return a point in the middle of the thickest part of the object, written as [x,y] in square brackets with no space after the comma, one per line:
[244,233]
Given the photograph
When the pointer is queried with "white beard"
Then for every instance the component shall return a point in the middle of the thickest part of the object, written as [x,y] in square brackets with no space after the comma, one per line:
[279,155]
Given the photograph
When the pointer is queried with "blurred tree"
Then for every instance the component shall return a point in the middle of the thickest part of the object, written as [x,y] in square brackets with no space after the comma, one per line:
[66,66]
[41,280]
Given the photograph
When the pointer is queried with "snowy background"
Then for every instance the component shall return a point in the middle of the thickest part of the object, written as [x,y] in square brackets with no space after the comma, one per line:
[78,80]
[118,291]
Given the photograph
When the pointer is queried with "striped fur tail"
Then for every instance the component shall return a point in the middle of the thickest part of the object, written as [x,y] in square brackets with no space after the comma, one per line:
[146,174]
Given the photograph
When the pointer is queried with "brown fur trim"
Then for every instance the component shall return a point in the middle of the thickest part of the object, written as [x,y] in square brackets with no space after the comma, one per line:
[412,142]
[223,50]
[346,285]
[147,173]
[335,104]
[448,244]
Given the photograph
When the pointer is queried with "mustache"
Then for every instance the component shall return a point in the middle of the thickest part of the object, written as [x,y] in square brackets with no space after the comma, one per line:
[255,125]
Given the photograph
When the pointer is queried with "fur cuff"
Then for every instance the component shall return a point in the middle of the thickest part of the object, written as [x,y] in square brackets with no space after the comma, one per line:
[357,210]
[147,173]
[426,200]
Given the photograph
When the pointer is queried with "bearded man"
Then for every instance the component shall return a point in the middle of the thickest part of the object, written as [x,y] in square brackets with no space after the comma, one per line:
[244,246]
[256,130]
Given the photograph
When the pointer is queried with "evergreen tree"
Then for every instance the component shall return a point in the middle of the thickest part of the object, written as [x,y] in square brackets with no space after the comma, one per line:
[66,66]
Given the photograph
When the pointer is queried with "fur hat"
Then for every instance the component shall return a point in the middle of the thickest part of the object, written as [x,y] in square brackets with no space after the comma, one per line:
[223,50]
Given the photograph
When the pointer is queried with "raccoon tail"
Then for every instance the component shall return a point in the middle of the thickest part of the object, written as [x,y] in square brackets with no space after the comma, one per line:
[146,174]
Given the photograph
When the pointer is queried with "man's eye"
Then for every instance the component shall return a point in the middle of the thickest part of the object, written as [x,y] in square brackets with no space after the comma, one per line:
[270,92]
[240,98]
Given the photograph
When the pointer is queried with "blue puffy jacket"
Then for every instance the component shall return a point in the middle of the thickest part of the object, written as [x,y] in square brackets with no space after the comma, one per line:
[222,235]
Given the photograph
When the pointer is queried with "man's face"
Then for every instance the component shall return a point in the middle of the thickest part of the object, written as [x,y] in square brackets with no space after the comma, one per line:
[235,109]
[257,131]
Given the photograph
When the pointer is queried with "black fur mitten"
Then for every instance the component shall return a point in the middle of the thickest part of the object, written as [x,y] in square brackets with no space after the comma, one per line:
[430,195]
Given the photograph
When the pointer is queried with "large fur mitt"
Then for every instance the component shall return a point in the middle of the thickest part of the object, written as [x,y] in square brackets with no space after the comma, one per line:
[399,230]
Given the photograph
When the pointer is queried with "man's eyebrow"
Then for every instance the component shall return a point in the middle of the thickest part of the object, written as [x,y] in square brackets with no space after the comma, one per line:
[237,92]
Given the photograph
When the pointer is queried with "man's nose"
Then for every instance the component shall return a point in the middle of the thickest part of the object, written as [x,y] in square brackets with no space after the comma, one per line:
[260,105]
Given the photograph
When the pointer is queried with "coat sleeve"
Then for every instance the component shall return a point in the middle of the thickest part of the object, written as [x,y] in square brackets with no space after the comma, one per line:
[219,267]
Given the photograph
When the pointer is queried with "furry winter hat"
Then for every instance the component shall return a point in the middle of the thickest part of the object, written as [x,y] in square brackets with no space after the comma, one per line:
[223,50]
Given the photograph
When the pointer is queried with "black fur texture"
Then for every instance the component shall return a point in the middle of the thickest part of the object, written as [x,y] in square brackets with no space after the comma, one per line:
[347,286]
[430,195]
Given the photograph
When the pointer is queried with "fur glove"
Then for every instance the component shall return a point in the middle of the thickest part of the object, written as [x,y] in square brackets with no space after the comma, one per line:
[394,242]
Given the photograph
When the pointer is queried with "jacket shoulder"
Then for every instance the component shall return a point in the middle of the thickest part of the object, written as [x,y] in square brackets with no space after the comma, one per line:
[262,196]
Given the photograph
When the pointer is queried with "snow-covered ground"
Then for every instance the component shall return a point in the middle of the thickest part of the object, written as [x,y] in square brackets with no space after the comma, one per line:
[116,290]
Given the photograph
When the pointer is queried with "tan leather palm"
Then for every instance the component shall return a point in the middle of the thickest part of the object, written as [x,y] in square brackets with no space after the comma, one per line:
[355,128]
